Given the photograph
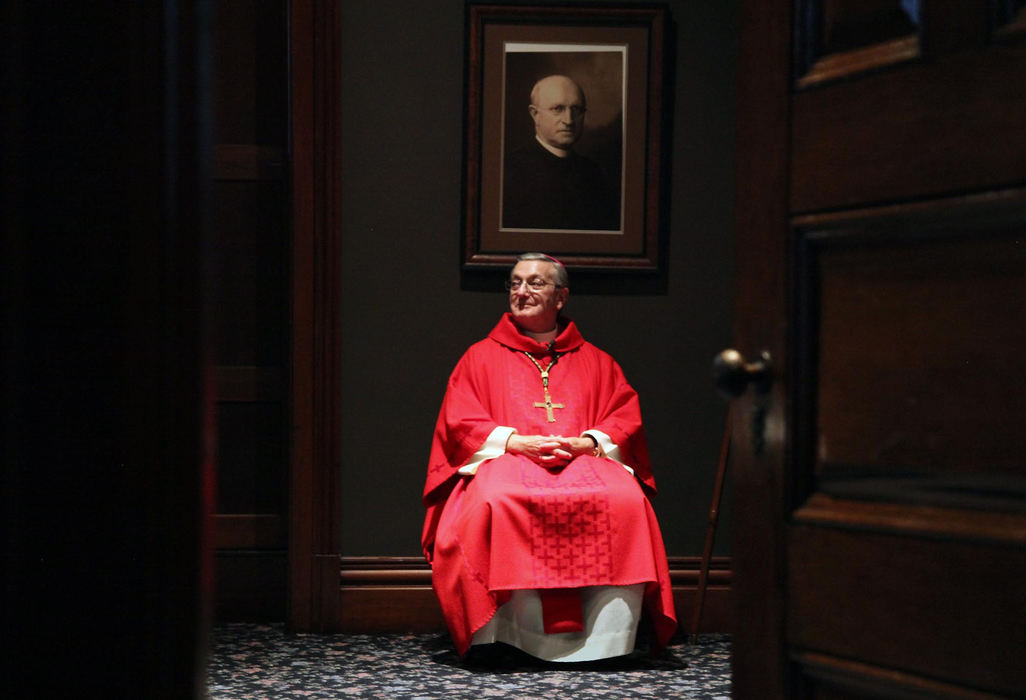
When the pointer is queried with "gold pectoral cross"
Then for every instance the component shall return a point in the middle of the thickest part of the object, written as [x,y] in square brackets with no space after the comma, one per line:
[547,405]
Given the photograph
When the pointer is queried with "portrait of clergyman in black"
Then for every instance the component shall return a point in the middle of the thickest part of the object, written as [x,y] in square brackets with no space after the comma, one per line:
[563,148]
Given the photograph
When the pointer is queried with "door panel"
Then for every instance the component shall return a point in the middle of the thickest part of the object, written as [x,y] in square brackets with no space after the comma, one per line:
[896,600]
[905,333]
[917,326]
[880,527]
[877,138]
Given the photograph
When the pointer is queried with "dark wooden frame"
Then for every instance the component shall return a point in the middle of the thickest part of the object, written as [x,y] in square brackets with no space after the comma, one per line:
[642,30]
[313,535]
[758,660]
[813,68]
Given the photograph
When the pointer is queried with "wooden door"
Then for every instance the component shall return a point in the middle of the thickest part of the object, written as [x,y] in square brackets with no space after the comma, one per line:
[250,317]
[879,484]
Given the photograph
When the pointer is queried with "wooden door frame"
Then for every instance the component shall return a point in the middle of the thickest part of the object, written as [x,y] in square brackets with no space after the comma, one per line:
[758,658]
[314,28]
[317,571]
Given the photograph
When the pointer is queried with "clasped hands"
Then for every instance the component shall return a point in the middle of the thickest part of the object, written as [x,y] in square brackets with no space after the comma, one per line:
[551,451]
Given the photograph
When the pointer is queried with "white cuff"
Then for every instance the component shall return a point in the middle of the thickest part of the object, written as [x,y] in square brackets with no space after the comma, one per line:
[609,448]
[493,447]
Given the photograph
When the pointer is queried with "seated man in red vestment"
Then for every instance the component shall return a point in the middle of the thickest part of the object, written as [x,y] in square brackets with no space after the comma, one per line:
[539,528]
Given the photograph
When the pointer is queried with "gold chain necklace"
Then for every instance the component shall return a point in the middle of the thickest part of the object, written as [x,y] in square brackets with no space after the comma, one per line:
[547,405]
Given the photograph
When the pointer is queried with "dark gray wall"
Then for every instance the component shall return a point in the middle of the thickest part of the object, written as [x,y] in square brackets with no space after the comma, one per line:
[406,319]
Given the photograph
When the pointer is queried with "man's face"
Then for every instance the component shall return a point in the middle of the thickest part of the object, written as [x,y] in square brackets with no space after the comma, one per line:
[558,112]
[535,310]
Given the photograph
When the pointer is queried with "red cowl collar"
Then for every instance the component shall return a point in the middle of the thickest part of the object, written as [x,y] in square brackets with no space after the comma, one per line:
[507,333]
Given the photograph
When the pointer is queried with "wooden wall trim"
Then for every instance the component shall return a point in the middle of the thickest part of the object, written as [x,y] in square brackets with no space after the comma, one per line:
[356,571]
[393,594]
[314,50]
[248,531]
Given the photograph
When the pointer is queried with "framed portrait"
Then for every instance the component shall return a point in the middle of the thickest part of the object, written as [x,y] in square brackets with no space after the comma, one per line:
[564,134]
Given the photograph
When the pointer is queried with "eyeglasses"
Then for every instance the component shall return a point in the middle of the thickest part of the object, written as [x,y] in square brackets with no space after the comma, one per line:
[535,285]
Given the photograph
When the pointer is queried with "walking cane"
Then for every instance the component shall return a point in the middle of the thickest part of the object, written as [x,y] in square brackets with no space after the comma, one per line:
[710,531]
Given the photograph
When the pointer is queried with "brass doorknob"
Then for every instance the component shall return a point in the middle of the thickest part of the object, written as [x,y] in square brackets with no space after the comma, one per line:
[733,374]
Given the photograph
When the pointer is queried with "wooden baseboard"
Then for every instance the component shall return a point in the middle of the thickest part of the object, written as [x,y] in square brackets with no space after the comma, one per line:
[394,594]
[250,586]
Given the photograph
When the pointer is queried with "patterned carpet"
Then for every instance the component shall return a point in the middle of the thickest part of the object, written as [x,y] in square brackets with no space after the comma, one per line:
[261,661]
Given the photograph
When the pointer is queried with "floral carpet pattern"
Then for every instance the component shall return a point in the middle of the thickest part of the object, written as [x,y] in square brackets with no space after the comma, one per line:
[250,661]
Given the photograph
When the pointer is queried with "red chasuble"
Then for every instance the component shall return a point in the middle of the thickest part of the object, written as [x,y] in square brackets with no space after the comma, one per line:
[517,525]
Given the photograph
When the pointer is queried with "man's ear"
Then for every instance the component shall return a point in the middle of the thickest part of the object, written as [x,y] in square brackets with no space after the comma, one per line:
[533,109]
[561,299]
